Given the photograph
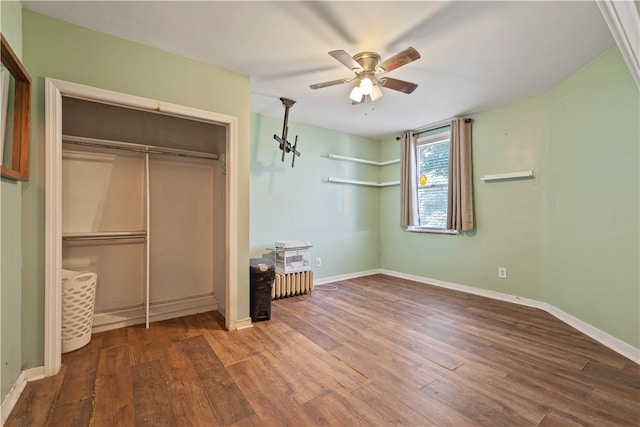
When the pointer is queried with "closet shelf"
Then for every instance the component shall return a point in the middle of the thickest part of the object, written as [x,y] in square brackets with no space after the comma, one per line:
[108,235]
[365,161]
[141,148]
[365,183]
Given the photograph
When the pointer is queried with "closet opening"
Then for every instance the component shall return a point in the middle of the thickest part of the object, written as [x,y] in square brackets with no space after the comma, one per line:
[141,193]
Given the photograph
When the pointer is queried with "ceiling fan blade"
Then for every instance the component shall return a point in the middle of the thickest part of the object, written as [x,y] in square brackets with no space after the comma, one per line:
[399,59]
[345,59]
[330,83]
[399,85]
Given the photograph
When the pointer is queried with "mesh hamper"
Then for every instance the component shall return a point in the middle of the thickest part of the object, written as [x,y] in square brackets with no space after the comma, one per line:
[78,302]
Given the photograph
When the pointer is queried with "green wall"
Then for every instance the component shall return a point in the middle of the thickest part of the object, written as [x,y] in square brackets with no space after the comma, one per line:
[568,237]
[508,214]
[10,240]
[63,51]
[592,198]
[340,220]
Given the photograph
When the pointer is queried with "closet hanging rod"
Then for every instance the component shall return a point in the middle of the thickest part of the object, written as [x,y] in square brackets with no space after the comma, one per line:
[105,236]
[141,148]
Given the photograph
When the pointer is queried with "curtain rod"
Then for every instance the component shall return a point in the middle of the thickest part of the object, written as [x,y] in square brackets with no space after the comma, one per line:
[434,128]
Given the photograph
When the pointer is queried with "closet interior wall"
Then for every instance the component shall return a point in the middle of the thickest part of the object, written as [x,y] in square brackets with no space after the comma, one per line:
[143,206]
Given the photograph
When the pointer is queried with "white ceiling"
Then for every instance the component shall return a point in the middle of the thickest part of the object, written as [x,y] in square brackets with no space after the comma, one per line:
[476,55]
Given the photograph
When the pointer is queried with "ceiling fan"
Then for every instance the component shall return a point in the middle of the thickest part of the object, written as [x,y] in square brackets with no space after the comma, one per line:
[368,68]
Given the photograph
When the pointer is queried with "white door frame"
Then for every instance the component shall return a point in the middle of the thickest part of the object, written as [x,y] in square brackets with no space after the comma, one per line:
[54,91]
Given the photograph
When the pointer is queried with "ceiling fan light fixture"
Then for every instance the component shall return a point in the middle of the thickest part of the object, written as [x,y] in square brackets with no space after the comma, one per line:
[376,93]
[367,66]
[366,86]
[356,94]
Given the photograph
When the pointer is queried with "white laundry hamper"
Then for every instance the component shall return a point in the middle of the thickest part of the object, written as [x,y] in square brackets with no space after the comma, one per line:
[78,303]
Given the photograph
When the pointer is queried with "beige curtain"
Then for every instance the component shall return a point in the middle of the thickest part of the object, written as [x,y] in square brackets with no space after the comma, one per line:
[460,209]
[408,181]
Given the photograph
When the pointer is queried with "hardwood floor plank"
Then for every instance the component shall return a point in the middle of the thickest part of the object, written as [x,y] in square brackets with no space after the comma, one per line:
[188,398]
[470,403]
[330,409]
[268,393]
[611,375]
[553,419]
[307,367]
[314,333]
[79,382]
[233,346]
[145,344]
[152,402]
[113,338]
[381,366]
[518,352]
[252,421]
[227,401]
[415,347]
[388,405]
[563,401]
[316,312]
[114,404]
[73,414]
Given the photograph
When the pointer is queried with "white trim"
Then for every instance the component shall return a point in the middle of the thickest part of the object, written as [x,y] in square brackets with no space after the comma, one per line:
[231,196]
[348,276]
[153,312]
[16,390]
[432,139]
[602,337]
[12,397]
[243,323]
[54,90]
[624,24]
[53,229]
[419,229]
[34,374]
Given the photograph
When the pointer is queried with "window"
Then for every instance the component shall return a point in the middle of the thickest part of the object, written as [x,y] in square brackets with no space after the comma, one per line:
[433,180]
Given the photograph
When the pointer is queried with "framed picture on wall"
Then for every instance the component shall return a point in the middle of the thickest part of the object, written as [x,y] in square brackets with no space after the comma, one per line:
[4,99]
[15,84]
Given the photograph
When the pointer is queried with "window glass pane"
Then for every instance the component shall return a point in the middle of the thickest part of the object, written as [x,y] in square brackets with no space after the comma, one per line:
[433,164]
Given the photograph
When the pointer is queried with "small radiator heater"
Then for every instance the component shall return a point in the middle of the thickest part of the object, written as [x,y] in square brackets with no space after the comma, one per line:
[292,284]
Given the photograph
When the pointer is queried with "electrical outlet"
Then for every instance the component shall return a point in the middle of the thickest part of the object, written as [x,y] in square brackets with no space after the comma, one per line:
[318,262]
[502,272]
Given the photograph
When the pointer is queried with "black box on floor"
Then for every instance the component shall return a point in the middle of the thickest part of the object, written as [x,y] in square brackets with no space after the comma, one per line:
[262,275]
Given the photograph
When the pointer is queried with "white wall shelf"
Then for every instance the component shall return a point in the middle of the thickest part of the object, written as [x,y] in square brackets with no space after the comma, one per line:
[510,175]
[365,161]
[365,183]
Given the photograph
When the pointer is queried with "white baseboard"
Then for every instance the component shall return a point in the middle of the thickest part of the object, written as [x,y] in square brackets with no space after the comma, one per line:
[157,312]
[345,276]
[244,323]
[602,337]
[14,393]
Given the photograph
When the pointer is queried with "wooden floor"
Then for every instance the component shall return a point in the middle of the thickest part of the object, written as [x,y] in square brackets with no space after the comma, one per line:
[376,351]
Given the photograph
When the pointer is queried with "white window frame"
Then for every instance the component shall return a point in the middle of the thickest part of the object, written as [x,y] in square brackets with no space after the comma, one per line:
[424,141]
